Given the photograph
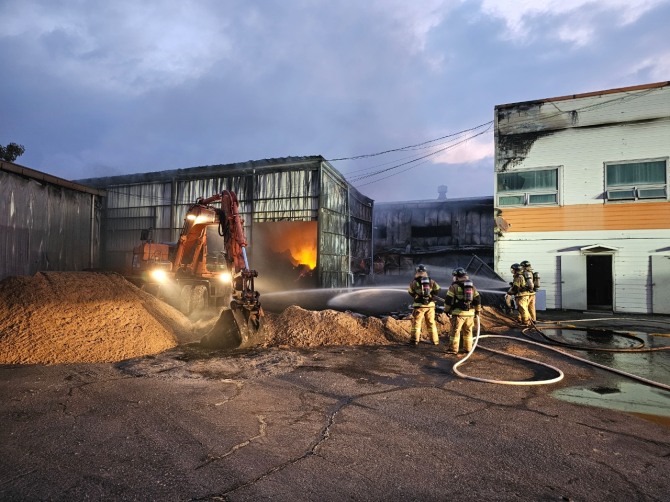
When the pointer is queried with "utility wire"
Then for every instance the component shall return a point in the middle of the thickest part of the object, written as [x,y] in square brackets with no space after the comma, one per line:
[453,145]
[411,146]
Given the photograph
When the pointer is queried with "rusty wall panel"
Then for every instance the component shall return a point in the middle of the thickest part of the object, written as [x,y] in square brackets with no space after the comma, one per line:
[46,227]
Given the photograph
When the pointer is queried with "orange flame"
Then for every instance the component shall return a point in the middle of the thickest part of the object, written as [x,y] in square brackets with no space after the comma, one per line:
[298,238]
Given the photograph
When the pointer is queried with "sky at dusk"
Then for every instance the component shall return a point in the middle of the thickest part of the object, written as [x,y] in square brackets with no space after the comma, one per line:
[100,88]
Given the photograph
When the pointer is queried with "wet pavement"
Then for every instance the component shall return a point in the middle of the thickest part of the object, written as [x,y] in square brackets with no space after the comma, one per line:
[341,423]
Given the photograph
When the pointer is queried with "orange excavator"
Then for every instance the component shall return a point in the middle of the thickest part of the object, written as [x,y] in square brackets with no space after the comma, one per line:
[181,273]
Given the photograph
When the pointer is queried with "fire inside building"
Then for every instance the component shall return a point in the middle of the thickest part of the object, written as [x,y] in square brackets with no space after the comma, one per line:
[305,224]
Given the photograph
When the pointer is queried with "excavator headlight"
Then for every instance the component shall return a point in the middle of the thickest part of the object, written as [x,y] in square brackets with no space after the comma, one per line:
[159,275]
[225,277]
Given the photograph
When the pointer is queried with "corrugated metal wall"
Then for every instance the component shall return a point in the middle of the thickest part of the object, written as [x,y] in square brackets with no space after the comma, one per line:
[445,233]
[290,189]
[46,223]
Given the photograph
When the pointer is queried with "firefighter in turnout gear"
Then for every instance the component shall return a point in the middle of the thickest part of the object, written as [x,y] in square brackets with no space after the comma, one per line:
[424,291]
[463,304]
[532,280]
[519,290]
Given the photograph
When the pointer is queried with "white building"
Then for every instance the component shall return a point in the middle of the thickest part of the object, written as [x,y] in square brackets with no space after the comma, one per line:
[582,193]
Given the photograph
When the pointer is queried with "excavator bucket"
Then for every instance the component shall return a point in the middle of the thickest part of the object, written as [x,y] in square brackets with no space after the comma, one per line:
[236,328]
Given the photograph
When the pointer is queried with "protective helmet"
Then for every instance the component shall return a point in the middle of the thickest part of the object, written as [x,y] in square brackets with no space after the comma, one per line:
[459,272]
[421,268]
[515,267]
[525,264]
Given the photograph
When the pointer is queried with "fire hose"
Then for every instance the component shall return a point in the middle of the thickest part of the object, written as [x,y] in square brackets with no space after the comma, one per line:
[555,369]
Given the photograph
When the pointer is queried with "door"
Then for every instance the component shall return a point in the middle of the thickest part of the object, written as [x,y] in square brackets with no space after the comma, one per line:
[573,282]
[660,284]
[599,282]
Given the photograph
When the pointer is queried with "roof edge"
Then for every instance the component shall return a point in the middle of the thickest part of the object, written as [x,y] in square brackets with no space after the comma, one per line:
[631,88]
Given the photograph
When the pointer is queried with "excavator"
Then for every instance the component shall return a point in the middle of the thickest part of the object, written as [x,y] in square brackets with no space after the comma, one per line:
[180,273]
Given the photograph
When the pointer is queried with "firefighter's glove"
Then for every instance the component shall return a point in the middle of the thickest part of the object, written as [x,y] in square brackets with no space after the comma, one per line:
[477,313]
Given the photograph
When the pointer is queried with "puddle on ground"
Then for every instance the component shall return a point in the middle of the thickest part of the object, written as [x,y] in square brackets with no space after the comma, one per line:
[630,397]
[623,394]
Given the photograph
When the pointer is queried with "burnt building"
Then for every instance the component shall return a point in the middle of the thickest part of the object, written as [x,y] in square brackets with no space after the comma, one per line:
[305,224]
[442,233]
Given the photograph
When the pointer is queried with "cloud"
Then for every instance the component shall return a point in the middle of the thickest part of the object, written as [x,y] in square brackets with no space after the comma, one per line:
[121,87]
[123,46]
[576,21]
[472,150]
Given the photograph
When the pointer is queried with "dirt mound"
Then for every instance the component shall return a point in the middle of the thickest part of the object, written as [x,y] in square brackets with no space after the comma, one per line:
[297,327]
[69,317]
[89,317]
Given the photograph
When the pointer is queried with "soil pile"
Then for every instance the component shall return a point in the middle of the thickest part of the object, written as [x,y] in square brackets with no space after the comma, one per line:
[70,317]
[90,317]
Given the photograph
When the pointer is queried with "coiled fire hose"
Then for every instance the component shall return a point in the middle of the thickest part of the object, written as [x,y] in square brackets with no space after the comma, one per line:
[539,382]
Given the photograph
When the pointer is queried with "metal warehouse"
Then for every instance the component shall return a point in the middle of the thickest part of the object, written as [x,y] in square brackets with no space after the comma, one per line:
[443,233]
[304,222]
[582,188]
[46,223]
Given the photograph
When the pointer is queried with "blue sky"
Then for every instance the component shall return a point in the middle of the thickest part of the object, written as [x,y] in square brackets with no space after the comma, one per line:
[98,88]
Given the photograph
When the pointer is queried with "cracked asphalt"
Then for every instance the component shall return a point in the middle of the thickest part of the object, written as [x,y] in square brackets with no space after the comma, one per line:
[339,423]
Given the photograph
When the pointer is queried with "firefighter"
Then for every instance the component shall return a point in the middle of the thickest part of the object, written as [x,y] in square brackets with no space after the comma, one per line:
[521,294]
[532,285]
[424,291]
[463,304]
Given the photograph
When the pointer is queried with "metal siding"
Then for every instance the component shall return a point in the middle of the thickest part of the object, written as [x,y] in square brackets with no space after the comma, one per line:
[333,245]
[606,127]
[632,276]
[292,189]
[45,226]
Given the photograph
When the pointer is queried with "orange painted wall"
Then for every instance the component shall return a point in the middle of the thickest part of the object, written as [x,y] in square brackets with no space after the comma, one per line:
[634,216]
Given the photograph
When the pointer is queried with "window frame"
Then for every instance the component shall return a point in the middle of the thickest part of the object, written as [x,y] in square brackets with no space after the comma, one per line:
[634,189]
[527,194]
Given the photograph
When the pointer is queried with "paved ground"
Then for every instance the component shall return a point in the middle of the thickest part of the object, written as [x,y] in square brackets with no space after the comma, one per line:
[389,423]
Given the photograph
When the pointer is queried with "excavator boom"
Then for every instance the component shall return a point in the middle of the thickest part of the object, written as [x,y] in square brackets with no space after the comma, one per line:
[241,324]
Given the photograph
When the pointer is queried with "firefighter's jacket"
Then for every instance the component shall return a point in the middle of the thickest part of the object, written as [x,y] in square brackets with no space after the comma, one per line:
[455,301]
[416,291]
[519,287]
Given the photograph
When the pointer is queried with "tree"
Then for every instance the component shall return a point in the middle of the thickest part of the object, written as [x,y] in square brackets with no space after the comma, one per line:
[11,152]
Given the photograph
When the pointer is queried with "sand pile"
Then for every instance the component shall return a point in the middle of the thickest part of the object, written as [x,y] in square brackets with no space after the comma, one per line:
[69,317]
[89,317]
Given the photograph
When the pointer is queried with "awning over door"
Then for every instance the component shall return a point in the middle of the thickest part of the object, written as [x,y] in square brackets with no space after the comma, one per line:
[597,248]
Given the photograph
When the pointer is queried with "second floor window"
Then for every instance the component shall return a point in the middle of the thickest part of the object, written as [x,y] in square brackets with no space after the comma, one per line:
[636,180]
[528,188]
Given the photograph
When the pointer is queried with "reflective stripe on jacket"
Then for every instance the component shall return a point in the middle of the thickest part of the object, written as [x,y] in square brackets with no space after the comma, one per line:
[416,291]
[455,301]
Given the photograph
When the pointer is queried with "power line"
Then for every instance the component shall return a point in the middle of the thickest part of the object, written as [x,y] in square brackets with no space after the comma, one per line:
[411,146]
[453,145]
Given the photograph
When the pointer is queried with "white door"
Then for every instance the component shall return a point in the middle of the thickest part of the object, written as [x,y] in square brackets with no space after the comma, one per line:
[573,282]
[660,284]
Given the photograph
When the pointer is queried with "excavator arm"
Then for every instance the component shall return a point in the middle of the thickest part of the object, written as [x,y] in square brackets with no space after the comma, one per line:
[239,326]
